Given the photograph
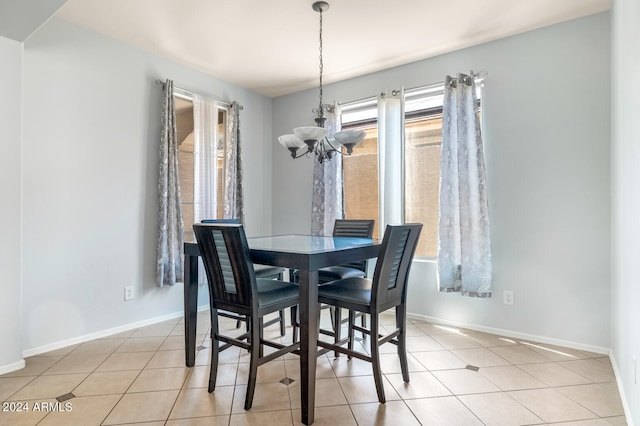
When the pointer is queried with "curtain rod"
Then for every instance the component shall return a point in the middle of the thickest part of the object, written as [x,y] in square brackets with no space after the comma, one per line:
[188,94]
[478,76]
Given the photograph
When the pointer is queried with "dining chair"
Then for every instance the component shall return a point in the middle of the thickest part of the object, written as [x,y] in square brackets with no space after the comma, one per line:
[358,228]
[234,287]
[387,289]
[262,271]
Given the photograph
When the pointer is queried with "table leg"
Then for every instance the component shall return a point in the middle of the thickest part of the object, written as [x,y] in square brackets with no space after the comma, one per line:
[309,313]
[190,308]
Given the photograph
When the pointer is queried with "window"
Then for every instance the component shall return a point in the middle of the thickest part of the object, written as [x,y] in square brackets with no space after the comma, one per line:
[187,172]
[361,167]
[420,163]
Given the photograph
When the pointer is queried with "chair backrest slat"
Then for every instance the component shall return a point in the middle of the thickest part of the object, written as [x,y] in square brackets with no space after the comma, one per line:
[227,262]
[362,228]
[359,228]
[394,262]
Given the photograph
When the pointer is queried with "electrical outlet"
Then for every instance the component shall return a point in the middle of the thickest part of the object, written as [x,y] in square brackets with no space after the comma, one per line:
[507,297]
[128,292]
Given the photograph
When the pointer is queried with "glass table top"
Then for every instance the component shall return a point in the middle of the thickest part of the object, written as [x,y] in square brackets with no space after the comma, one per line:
[307,244]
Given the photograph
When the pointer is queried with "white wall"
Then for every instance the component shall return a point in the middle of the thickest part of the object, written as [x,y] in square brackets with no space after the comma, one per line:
[546,130]
[625,159]
[10,222]
[91,136]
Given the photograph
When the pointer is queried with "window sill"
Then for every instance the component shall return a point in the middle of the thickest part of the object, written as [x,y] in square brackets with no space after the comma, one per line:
[425,259]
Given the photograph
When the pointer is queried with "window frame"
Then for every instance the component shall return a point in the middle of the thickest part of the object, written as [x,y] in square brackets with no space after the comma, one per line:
[221,155]
[425,93]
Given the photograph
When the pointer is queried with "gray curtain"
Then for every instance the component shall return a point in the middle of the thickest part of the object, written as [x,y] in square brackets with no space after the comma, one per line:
[327,202]
[464,243]
[170,227]
[234,197]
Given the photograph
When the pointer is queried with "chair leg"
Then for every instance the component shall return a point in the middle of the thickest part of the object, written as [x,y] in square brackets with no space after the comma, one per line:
[401,321]
[295,324]
[282,324]
[260,337]
[212,313]
[332,315]
[351,331]
[253,362]
[281,313]
[337,327]
[375,358]
[215,350]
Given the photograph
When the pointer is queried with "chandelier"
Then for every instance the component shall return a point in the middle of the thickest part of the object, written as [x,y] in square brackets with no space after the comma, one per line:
[315,138]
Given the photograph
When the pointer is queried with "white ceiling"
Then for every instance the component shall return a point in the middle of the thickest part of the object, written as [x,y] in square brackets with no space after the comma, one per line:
[271,47]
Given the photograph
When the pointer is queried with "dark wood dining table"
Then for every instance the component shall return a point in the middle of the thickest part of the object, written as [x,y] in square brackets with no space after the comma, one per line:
[305,253]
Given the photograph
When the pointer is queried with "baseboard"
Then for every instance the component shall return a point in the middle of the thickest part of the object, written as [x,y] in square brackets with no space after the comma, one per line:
[623,396]
[433,320]
[513,334]
[502,332]
[100,334]
[14,366]
[540,339]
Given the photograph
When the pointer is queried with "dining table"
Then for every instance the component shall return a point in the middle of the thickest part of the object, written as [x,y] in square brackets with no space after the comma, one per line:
[305,253]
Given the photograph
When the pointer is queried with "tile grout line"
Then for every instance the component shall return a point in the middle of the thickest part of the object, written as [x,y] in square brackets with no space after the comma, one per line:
[335,368]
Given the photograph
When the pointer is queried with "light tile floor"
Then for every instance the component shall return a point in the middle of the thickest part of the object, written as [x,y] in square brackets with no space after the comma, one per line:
[138,377]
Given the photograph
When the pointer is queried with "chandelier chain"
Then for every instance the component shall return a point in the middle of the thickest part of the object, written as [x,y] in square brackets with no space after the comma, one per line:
[321,107]
[316,139]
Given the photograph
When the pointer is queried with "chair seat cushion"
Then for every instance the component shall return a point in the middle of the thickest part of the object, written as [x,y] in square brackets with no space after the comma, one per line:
[333,273]
[350,290]
[272,292]
[266,271]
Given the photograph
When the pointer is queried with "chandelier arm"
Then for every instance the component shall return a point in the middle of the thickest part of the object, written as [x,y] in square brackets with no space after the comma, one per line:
[338,150]
[322,153]
[301,155]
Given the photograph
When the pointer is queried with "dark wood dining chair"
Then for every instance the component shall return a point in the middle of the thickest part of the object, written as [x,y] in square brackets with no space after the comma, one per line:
[387,289]
[234,287]
[262,271]
[358,228]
